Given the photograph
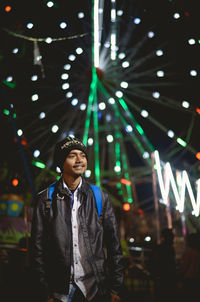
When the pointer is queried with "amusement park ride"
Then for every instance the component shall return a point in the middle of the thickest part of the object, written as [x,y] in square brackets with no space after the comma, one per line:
[112,75]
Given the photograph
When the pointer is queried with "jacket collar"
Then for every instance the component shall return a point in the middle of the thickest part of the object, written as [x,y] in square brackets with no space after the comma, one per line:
[85,186]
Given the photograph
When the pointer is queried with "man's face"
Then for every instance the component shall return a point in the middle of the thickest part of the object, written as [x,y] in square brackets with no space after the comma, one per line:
[75,163]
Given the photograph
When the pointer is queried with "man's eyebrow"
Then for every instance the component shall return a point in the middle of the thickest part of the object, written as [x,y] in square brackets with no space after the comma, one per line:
[75,152]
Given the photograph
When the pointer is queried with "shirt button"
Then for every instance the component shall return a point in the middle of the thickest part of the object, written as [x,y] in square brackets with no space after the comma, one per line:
[74,226]
[75,244]
[76,262]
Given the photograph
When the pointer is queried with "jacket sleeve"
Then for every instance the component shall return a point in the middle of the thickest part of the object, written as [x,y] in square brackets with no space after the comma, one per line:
[37,251]
[115,259]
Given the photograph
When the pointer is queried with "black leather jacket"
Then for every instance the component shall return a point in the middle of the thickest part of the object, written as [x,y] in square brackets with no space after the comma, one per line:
[51,241]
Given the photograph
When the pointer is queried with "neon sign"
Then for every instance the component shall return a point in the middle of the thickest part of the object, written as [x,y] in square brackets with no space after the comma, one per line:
[178,186]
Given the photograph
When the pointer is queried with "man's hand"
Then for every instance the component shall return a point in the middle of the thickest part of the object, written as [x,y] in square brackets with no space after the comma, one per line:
[115,298]
[50,300]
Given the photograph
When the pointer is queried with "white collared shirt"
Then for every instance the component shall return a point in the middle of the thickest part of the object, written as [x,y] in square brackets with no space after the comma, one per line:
[81,270]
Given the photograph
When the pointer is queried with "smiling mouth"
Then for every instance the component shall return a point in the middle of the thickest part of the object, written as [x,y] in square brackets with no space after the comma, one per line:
[78,167]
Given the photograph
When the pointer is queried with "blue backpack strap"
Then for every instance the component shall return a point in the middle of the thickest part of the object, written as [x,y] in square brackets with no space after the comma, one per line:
[50,191]
[98,197]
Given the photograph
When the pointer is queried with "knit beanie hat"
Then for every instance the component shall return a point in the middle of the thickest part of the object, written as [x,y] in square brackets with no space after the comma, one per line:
[64,147]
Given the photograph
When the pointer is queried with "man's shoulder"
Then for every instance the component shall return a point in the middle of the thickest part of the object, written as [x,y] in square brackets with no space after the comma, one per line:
[44,191]
[86,185]
[103,192]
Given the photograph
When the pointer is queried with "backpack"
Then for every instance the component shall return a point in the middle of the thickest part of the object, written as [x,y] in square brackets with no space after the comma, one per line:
[98,194]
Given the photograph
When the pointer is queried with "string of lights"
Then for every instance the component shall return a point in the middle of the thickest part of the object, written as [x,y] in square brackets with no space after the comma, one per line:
[140,90]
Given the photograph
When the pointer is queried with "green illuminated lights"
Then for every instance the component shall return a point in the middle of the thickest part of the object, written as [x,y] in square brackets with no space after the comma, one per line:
[181,142]
[38,164]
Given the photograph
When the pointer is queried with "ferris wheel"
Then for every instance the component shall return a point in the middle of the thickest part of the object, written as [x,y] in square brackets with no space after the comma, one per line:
[123,88]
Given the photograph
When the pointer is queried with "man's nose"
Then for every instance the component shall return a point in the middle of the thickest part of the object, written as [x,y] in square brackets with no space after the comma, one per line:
[78,158]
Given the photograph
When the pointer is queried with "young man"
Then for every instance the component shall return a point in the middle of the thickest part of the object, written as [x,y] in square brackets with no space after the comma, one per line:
[76,255]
